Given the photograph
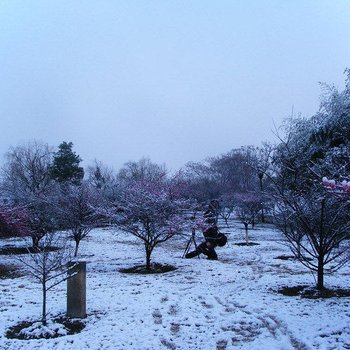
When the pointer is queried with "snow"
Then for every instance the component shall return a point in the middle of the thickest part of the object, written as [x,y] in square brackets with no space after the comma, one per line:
[231,303]
[37,329]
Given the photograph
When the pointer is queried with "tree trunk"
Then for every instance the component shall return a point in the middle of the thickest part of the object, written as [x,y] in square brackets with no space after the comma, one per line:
[299,250]
[246,233]
[76,247]
[261,189]
[148,257]
[253,224]
[320,273]
[35,242]
[43,317]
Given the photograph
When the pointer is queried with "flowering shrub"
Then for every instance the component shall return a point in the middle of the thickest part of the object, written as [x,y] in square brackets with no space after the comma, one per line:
[13,221]
[336,185]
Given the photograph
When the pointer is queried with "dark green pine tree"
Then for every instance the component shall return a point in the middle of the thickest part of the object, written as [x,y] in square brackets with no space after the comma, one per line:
[65,166]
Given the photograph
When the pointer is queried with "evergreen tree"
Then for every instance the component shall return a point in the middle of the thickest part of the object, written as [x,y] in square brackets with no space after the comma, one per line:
[65,166]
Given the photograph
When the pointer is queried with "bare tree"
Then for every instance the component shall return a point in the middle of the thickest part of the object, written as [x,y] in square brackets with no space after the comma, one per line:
[150,212]
[142,170]
[314,220]
[48,265]
[26,173]
[202,182]
[247,207]
[262,167]
[80,211]
[42,217]
[284,219]
[100,175]
[227,206]
[104,180]
[322,224]
[227,173]
[233,170]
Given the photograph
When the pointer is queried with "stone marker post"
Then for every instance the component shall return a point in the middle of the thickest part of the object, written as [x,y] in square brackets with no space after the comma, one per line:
[76,290]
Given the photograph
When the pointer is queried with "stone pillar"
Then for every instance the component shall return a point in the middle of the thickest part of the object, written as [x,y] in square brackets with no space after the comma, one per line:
[76,290]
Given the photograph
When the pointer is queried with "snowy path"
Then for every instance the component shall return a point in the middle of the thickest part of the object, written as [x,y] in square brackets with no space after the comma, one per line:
[225,304]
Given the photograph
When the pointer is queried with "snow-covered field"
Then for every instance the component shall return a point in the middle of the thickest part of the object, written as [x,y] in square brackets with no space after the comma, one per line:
[227,304]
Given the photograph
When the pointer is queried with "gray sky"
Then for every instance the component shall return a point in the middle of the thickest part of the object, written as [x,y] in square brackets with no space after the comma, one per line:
[175,81]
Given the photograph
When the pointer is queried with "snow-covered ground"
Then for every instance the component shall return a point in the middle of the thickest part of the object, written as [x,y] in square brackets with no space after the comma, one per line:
[227,304]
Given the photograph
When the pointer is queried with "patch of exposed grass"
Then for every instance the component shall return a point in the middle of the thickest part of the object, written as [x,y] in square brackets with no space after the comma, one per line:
[9,271]
[313,293]
[12,250]
[155,268]
[245,244]
[72,326]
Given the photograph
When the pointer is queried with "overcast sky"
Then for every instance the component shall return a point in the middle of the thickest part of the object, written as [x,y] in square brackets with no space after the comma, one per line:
[175,81]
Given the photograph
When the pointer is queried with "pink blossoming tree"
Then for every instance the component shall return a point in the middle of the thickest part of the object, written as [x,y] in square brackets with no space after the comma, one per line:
[13,221]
